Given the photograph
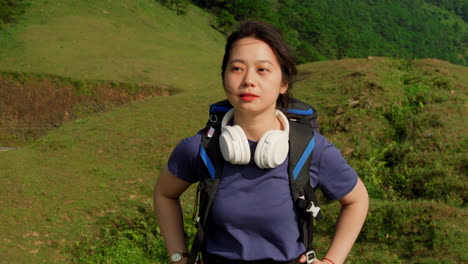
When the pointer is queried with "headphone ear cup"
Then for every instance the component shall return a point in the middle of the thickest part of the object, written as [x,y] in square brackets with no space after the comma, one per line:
[234,145]
[272,149]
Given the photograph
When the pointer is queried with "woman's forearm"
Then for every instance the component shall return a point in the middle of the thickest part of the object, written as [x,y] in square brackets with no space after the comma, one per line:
[350,221]
[168,211]
[169,215]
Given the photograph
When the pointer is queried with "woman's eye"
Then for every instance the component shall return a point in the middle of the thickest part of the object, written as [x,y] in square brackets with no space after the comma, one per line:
[262,69]
[236,69]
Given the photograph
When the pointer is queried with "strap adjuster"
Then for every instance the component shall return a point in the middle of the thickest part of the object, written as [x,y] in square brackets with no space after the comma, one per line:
[311,208]
[310,256]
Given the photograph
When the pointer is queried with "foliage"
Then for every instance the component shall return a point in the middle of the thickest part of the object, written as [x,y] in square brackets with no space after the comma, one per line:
[180,6]
[10,9]
[400,162]
[403,232]
[458,7]
[329,29]
[123,239]
[133,237]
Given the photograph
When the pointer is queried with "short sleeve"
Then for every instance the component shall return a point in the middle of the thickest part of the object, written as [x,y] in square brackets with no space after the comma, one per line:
[184,162]
[330,172]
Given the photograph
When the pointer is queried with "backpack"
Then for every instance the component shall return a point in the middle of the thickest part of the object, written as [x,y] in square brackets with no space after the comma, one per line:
[302,124]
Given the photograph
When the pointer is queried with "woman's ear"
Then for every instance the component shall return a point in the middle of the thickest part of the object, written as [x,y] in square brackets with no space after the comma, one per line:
[284,88]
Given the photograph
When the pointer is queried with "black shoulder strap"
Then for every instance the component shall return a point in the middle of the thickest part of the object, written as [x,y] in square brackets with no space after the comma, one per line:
[210,154]
[302,143]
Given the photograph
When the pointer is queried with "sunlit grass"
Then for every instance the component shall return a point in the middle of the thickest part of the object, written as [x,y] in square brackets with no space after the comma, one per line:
[130,41]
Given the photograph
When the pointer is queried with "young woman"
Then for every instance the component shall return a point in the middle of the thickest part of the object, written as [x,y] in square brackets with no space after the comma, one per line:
[257,73]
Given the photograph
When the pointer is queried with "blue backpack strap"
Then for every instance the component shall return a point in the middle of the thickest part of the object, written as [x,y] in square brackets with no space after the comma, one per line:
[206,159]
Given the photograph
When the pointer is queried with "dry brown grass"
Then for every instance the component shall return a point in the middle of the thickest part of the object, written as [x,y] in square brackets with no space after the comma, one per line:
[30,105]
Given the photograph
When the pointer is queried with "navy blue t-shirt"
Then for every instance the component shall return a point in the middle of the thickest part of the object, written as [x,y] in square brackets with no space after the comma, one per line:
[253,215]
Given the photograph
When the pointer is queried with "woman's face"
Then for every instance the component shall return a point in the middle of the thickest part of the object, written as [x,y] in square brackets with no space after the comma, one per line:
[253,78]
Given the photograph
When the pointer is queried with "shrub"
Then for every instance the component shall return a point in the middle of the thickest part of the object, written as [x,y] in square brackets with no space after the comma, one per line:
[131,238]
[413,230]
[403,161]
[10,9]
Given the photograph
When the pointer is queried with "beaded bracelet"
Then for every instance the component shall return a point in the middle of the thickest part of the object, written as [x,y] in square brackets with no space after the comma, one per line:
[329,260]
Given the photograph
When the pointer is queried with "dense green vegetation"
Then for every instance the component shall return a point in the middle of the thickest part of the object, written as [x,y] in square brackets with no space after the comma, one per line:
[11,9]
[330,29]
[82,192]
[180,6]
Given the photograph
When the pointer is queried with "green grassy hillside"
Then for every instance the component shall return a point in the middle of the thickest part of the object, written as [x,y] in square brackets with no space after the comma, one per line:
[82,193]
[130,41]
[55,189]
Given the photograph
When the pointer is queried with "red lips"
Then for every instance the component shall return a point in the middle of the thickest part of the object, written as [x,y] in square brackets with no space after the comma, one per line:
[248,96]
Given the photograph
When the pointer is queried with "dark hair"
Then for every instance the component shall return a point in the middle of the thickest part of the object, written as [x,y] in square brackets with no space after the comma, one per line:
[273,37]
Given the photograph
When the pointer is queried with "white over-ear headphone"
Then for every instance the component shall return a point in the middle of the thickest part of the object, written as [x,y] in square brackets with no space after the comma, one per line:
[272,148]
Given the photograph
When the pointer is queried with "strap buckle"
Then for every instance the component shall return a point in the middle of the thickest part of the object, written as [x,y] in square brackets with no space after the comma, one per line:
[310,256]
[311,208]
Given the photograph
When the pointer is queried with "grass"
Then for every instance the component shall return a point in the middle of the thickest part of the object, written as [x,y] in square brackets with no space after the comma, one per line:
[60,184]
[128,41]
[82,193]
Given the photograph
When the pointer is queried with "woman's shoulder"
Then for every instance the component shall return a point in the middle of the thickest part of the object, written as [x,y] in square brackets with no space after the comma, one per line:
[321,143]
[325,150]
[333,175]
[189,146]
[184,160]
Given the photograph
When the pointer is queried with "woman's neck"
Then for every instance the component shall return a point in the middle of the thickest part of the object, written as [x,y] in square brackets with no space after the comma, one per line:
[255,126]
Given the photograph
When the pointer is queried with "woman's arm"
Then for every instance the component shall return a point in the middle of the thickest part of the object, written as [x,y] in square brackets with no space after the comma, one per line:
[350,221]
[166,195]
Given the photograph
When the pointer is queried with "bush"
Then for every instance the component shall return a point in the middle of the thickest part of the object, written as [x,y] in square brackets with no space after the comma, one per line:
[180,6]
[123,239]
[10,9]
[415,231]
[402,232]
[403,160]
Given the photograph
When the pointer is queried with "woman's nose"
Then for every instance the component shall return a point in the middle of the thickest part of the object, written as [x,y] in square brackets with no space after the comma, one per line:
[248,82]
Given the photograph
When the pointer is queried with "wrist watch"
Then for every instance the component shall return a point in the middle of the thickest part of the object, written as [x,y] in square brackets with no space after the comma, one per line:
[178,256]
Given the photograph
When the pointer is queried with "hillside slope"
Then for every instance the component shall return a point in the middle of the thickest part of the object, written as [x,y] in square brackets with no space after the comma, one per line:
[129,41]
[396,113]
